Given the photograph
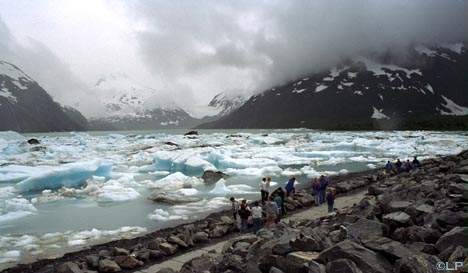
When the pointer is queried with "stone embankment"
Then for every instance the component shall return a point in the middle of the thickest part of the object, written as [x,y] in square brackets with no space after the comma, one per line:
[409,223]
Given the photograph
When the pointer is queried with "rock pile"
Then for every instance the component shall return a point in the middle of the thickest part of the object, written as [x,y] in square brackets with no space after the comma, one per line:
[408,223]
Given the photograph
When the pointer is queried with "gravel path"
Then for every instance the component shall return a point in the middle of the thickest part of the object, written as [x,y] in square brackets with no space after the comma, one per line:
[312,213]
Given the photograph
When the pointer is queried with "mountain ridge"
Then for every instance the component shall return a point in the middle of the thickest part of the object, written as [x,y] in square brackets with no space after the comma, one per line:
[366,93]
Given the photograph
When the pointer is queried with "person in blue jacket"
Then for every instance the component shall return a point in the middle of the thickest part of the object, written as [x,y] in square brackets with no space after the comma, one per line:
[290,188]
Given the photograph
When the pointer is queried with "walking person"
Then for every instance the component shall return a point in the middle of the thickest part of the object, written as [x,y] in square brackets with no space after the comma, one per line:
[316,191]
[290,187]
[330,200]
[257,213]
[244,213]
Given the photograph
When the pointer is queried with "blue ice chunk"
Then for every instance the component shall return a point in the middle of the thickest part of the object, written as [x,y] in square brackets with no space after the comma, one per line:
[70,175]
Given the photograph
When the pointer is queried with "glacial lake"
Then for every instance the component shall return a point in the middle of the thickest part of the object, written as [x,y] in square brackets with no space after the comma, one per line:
[82,188]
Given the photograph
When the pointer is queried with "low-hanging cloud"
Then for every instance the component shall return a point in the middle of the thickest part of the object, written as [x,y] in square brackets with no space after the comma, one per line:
[39,62]
[245,46]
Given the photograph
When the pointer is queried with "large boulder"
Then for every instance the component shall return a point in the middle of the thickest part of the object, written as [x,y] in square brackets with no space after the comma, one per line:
[342,266]
[396,219]
[418,263]
[364,228]
[458,236]
[167,248]
[69,267]
[108,266]
[200,264]
[127,261]
[387,247]
[365,259]
[310,240]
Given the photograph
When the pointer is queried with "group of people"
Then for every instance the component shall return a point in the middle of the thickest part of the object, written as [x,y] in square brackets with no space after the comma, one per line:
[399,167]
[322,193]
[271,208]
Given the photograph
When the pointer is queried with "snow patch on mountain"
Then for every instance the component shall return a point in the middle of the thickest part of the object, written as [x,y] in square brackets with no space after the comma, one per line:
[454,109]
[222,104]
[16,76]
[377,114]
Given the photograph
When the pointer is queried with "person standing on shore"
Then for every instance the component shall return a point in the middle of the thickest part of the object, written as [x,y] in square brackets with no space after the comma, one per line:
[388,167]
[257,212]
[398,165]
[330,200]
[323,181]
[234,207]
[416,163]
[290,188]
[282,195]
[264,189]
[244,213]
[316,191]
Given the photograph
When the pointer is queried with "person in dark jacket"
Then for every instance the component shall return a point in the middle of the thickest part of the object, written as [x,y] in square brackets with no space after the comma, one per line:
[398,165]
[416,163]
[290,188]
[388,167]
[323,188]
[244,213]
[408,167]
[316,191]
[330,200]
[280,192]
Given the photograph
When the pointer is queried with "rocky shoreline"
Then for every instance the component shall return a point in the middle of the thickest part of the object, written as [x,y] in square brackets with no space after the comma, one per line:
[133,254]
[408,223]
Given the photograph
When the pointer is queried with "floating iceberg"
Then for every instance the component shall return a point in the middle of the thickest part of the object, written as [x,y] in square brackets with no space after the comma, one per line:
[220,188]
[176,180]
[70,175]
[187,162]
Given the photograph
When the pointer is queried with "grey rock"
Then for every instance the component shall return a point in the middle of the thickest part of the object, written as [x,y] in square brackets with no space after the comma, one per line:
[200,236]
[69,267]
[211,177]
[397,218]
[117,251]
[342,266]
[176,240]
[167,248]
[171,198]
[127,261]
[417,263]
[364,228]
[365,259]
[388,247]
[108,266]
[458,236]
[92,261]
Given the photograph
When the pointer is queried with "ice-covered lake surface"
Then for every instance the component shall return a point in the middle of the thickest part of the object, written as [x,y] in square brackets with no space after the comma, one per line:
[77,189]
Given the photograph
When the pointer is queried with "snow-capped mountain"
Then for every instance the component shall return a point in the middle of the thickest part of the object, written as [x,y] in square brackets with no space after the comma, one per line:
[427,90]
[26,107]
[225,104]
[129,105]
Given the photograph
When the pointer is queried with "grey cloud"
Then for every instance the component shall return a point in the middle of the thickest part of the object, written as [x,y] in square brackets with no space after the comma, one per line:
[38,61]
[251,45]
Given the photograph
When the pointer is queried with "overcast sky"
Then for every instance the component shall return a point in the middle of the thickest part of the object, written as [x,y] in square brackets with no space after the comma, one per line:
[191,50]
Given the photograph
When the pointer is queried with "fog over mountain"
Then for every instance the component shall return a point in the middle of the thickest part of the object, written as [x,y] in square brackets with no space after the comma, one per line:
[193,50]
